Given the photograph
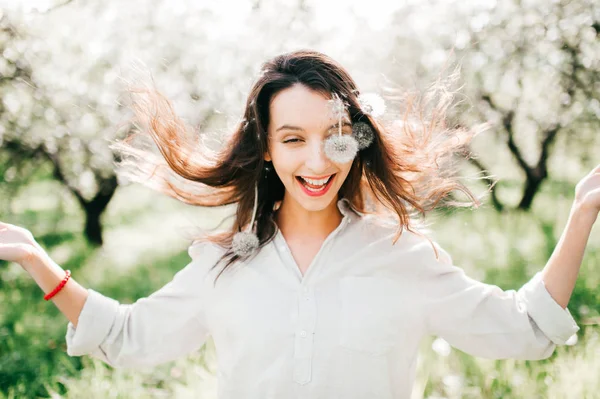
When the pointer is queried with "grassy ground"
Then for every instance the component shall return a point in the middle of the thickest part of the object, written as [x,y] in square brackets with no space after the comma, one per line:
[144,247]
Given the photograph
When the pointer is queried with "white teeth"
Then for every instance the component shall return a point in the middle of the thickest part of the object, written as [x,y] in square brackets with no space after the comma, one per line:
[319,182]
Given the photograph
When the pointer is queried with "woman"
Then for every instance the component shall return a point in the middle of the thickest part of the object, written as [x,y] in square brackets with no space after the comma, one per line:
[312,293]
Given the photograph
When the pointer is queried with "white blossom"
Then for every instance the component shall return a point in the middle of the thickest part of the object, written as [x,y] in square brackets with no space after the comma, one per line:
[372,104]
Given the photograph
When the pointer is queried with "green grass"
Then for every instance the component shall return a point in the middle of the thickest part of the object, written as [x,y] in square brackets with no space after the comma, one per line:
[143,249]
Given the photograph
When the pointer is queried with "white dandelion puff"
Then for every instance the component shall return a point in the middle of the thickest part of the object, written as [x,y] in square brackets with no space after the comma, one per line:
[363,134]
[372,104]
[337,107]
[244,243]
[341,148]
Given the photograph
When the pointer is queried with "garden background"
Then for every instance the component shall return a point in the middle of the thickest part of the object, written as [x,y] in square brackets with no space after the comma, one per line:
[530,67]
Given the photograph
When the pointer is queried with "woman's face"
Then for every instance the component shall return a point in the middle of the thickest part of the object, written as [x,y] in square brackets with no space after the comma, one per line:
[300,121]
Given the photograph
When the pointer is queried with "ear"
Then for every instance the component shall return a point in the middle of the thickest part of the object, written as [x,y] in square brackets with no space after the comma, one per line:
[267,157]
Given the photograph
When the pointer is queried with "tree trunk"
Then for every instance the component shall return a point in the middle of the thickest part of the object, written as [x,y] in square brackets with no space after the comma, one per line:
[532,185]
[96,207]
[93,227]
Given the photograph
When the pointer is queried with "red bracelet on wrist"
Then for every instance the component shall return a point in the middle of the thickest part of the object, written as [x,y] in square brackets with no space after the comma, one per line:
[59,286]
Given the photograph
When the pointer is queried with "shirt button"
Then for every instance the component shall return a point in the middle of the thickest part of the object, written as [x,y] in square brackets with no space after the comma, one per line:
[306,289]
[303,334]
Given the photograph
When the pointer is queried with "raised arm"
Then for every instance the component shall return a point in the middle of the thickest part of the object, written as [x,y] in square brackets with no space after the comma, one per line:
[486,321]
[47,274]
[560,273]
[168,324]
[162,327]
[18,245]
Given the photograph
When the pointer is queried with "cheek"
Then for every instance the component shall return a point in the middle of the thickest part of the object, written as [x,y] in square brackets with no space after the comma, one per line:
[285,162]
[344,169]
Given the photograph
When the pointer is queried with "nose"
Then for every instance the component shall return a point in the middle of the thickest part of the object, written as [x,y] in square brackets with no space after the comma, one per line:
[316,161]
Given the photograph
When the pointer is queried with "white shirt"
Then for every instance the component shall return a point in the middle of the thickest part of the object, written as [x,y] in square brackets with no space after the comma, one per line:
[349,328]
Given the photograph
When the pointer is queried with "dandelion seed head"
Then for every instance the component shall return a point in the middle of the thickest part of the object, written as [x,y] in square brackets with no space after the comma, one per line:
[337,107]
[341,148]
[363,134]
[372,104]
[244,243]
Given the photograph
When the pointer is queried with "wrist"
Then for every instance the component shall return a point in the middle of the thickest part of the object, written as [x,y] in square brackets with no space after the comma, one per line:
[582,213]
[34,258]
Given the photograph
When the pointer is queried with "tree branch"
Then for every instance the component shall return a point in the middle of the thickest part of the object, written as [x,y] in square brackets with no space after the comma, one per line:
[499,206]
[507,123]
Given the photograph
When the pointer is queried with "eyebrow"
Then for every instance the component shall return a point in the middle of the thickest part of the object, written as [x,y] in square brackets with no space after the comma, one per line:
[290,127]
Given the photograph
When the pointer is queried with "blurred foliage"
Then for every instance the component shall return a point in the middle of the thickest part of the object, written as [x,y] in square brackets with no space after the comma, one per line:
[64,94]
[530,68]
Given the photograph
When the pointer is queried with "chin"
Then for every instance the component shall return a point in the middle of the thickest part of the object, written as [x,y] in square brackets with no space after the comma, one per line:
[316,206]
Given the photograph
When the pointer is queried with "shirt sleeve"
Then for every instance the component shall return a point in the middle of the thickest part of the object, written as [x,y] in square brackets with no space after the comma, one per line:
[166,325]
[486,321]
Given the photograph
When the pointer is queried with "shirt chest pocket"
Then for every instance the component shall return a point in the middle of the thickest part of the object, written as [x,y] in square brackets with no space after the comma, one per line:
[370,317]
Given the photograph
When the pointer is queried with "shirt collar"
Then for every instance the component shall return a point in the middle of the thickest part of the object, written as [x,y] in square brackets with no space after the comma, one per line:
[346,209]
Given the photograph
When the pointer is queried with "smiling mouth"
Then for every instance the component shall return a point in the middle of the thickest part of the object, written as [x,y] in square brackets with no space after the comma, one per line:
[314,185]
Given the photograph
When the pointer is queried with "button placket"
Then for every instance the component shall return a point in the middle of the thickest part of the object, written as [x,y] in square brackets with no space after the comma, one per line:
[306,316]
[286,255]
[303,348]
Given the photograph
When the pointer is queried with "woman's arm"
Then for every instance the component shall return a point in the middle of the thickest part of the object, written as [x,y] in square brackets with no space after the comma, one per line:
[560,273]
[47,274]
[18,245]
[162,327]
[484,320]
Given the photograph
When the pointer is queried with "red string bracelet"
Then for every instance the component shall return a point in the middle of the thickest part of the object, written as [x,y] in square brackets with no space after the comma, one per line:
[59,286]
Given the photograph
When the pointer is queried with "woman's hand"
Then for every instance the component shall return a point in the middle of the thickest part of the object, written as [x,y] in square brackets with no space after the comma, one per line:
[587,194]
[17,244]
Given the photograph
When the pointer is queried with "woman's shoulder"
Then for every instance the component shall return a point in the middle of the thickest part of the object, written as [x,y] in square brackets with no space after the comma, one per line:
[418,241]
[381,226]
[204,249]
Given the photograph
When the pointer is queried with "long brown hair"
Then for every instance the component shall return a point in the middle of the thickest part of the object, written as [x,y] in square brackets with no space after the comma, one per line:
[408,168]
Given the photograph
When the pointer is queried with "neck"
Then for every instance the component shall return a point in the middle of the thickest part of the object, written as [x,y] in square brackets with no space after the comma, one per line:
[293,219]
